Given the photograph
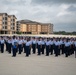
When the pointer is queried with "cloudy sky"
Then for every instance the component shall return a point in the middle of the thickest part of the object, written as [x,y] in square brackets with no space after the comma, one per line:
[62,13]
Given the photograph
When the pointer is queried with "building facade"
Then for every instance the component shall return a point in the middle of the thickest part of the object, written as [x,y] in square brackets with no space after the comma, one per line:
[32,27]
[10,25]
[7,23]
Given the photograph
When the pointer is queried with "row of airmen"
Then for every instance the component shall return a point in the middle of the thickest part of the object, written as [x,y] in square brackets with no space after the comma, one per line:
[55,46]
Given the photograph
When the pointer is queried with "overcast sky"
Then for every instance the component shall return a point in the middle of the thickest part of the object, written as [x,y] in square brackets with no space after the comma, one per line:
[61,13]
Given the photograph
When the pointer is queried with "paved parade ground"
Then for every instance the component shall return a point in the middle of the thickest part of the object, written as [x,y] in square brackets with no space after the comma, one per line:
[37,65]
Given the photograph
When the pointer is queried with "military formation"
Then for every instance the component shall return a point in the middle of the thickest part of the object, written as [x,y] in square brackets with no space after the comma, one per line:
[38,45]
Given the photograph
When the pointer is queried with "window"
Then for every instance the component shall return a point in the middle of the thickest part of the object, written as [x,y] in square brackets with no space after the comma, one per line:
[28,32]
[5,18]
[13,28]
[13,24]
[5,32]
[5,27]
[5,23]
[6,14]
[13,20]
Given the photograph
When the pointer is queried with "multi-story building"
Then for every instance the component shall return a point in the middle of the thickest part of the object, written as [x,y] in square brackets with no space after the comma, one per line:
[7,24]
[32,27]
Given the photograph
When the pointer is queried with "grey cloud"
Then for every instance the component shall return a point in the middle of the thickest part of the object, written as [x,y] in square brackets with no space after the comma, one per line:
[65,27]
[49,2]
[13,2]
[42,13]
[71,8]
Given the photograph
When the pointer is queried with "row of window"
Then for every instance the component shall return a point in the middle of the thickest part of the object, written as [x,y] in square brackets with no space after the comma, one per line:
[5,18]
[34,32]
[7,23]
[5,27]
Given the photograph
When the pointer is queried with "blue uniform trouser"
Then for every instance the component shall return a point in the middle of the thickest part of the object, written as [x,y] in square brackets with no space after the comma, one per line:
[66,51]
[9,48]
[47,50]
[43,47]
[27,50]
[34,48]
[75,52]
[72,50]
[51,49]
[20,48]
[63,49]
[56,50]
[2,48]
[39,49]
[14,51]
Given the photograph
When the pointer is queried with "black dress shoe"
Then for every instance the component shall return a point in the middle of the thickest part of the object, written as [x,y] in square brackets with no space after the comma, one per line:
[13,56]
[26,56]
[47,55]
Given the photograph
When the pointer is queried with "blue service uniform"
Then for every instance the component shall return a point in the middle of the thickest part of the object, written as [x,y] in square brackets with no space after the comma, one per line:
[27,48]
[34,42]
[56,48]
[47,48]
[43,46]
[9,45]
[51,46]
[6,43]
[59,47]
[14,47]
[75,48]
[2,45]
[20,42]
[24,45]
[67,46]
[72,47]
[39,47]
[63,47]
